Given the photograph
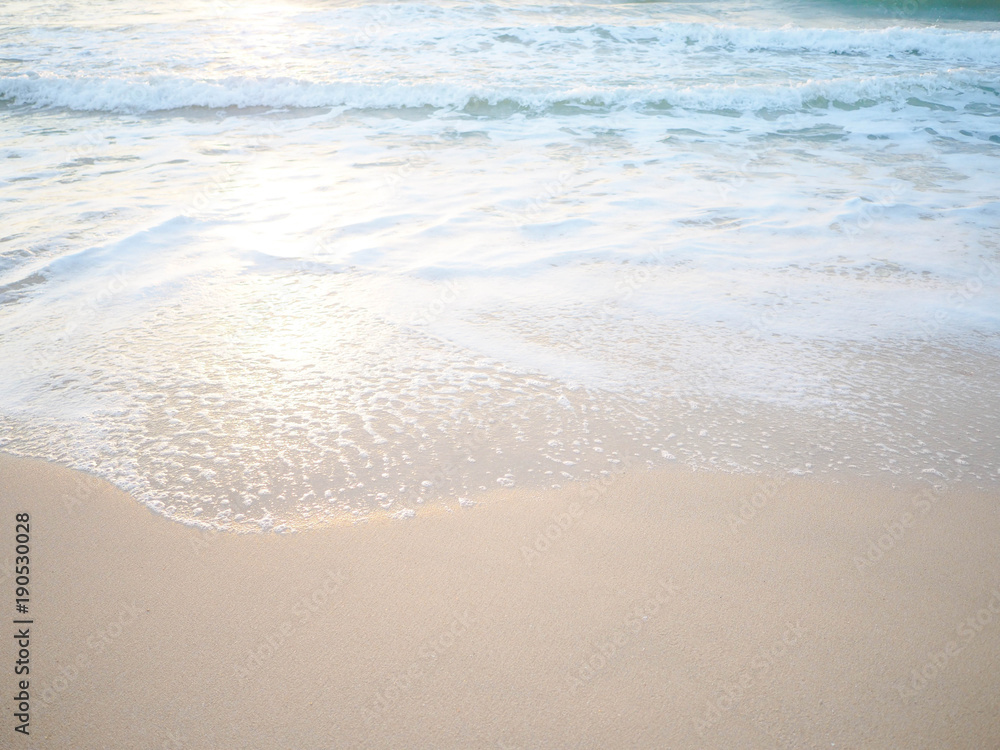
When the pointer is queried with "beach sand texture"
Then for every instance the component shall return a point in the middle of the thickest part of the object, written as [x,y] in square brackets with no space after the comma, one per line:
[658,609]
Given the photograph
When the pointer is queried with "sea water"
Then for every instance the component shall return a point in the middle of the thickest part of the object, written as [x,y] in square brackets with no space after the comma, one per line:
[273,264]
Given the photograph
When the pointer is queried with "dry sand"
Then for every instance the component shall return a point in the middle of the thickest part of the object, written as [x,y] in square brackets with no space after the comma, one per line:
[654,619]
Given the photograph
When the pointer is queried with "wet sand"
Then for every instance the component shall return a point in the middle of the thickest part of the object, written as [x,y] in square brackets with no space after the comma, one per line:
[661,609]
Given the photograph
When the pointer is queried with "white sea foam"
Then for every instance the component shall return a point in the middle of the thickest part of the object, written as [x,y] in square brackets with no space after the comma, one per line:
[159,94]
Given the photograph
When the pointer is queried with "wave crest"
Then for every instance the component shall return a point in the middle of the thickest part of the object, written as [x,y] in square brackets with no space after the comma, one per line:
[175,93]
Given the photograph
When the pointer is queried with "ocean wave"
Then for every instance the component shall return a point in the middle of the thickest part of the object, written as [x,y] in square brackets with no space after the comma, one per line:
[175,93]
[937,44]
[403,24]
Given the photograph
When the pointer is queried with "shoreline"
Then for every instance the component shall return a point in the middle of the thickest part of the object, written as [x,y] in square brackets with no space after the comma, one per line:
[668,608]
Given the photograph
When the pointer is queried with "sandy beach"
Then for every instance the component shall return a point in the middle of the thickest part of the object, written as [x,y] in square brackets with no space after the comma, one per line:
[501,375]
[658,609]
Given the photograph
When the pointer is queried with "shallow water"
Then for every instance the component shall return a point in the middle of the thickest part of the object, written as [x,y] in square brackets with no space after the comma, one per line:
[268,264]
